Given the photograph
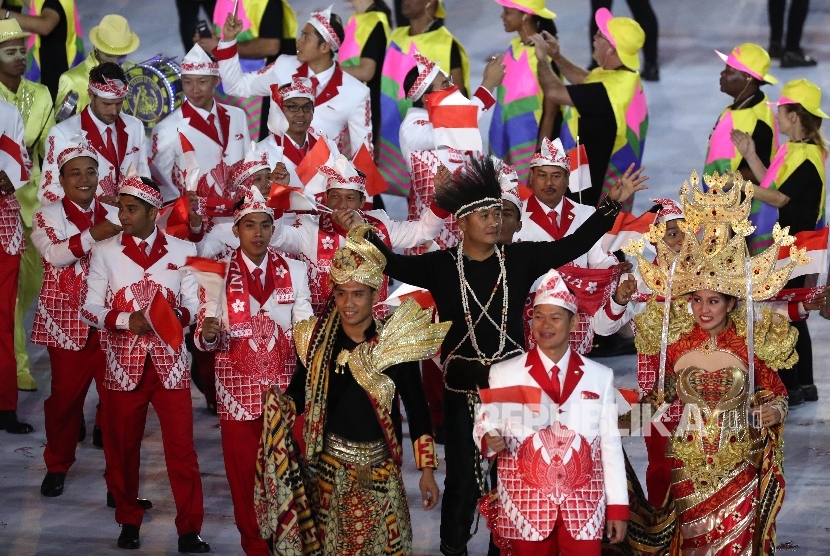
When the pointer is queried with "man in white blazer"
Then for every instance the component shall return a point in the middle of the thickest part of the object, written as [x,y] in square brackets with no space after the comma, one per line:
[126,272]
[217,132]
[550,416]
[254,348]
[342,110]
[118,138]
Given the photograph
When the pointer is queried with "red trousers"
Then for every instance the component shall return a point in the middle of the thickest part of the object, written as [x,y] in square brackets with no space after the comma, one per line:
[433,379]
[658,470]
[558,542]
[72,373]
[240,442]
[9,270]
[125,414]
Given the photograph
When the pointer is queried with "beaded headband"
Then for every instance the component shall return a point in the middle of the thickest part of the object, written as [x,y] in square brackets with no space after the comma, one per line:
[475,206]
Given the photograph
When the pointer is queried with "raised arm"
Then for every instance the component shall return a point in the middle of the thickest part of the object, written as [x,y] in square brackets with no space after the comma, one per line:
[237,83]
[416,270]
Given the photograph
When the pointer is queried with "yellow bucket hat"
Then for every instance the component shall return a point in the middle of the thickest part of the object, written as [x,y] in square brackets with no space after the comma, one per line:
[113,36]
[534,7]
[803,92]
[749,58]
[624,34]
[10,30]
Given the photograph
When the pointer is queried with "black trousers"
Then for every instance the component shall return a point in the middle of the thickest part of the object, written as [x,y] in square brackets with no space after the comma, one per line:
[795,22]
[802,372]
[644,15]
[461,490]
[189,15]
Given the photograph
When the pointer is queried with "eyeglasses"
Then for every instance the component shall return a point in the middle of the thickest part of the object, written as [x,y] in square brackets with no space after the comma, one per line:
[294,108]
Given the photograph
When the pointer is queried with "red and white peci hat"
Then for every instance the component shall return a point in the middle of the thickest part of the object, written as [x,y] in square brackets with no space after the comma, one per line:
[256,159]
[509,181]
[551,153]
[111,89]
[343,175]
[670,211]
[320,21]
[254,202]
[553,291]
[131,184]
[77,147]
[427,72]
[197,62]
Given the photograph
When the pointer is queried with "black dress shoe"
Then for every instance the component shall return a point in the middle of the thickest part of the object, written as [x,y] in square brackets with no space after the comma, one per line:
[810,393]
[797,59]
[143,502]
[97,437]
[211,407]
[192,543]
[10,423]
[650,72]
[52,484]
[795,397]
[82,432]
[775,50]
[129,537]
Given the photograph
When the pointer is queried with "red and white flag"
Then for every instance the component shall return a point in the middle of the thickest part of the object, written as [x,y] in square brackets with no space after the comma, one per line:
[174,219]
[580,177]
[288,199]
[407,291]
[14,161]
[319,155]
[626,227]
[277,122]
[816,245]
[363,161]
[209,273]
[454,120]
[165,323]
[191,171]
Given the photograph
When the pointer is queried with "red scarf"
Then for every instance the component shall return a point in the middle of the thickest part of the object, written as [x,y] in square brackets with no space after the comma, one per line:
[238,291]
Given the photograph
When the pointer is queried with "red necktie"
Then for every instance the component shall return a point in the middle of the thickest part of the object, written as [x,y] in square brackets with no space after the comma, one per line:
[554,378]
[88,216]
[211,120]
[112,156]
[555,224]
[256,285]
[142,246]
[314,83]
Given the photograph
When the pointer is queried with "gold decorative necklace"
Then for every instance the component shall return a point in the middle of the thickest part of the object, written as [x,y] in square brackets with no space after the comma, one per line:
[341,361]
[709,345]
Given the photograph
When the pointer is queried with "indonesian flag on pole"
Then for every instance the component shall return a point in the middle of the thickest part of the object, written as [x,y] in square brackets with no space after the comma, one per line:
[165,323]
[277,122]
[816,245]
[191,172]
[580,178]
[406,291]
[626,227]
[209,273]
[174,219]
[288,199]
[317,156]
[13,161]
[454,120]
[363,161]
[510,403]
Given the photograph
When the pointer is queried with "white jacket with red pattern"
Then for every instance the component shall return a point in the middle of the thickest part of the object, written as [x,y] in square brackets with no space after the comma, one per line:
[14,161]
[130,144]
[565,459]
[246,367]
[61,236]
[119,285]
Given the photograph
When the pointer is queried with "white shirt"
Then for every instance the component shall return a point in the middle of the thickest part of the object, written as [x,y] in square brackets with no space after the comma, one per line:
[562,365]
[253,266]
[102,129]
[205,113]
[322,78]
[556,211]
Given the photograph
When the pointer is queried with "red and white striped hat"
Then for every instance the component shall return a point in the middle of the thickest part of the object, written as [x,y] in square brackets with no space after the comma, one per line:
[343,175]
[670,211]
[320,21]
[254,202]
[131,184]
[551,153]
[553,291]
[427,72]
[256,159]
[78,146]
[111,89]
[197,62]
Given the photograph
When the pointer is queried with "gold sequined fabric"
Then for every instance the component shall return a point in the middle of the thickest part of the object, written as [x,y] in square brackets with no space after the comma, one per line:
[775,338]
[649,325]
[359,260]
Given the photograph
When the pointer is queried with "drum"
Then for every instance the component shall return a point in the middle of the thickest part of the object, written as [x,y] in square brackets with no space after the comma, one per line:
[67,107]
[154,90]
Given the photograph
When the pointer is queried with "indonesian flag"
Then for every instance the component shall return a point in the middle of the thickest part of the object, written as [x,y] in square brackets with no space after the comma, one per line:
[591,286]
[288,199]
[816,245]
[454,120]
[277,122]
[406,291]
[580,178]
[626,227]
[317,156]
[525,192]
[509,404]
[528,395]
[191,171]
[12,161]
[165,324]
[625,397]
[174,219]
[363,161]
[209,273]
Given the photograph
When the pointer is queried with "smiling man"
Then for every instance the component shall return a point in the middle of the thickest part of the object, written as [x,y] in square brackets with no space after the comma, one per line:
[217,132]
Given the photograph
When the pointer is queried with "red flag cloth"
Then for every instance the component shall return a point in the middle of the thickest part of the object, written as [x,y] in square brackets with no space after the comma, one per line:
[363,161]
[528,395]
[629,395]
[288,199]
[815,244]
[795,295]
[164,322]
[202,264]
[174,219]
[525,192]
[627,227]
[12,148]
[317,156]
[591,286]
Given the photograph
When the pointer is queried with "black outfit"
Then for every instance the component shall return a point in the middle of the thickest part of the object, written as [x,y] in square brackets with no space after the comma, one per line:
[644,15]
[762,135]
[597,131]
[53,61]
[189,16]
[804,187]
[436,271]
[271,28]
[795,23]
[349,411]
[375,49]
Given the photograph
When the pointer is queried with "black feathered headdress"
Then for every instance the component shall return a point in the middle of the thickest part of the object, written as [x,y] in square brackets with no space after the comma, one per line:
[475,188]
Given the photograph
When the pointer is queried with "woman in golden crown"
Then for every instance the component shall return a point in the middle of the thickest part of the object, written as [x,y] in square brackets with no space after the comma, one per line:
[717,380]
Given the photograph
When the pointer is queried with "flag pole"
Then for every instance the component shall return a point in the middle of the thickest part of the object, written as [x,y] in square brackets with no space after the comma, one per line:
[578,164]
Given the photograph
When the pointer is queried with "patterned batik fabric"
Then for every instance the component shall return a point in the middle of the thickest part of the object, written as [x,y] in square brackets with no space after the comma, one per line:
[359,522]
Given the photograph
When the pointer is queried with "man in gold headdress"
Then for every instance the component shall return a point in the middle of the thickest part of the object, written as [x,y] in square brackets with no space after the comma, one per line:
[351,371]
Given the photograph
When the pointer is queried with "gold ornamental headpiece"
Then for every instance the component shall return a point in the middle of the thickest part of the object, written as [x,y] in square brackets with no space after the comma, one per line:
[359,260]
[714,255]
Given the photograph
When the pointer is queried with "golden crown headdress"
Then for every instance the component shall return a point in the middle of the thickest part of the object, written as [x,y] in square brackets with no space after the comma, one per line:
[359,260]
[711,257]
